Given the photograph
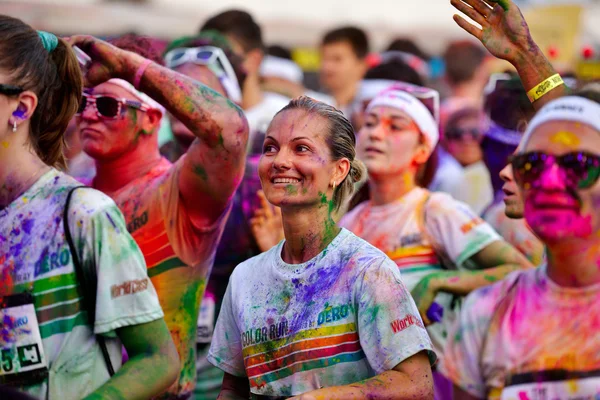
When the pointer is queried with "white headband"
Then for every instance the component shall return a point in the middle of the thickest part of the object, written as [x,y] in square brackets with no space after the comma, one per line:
[403,101]
[281,68]
[370,88]
[569,108]
[144,98]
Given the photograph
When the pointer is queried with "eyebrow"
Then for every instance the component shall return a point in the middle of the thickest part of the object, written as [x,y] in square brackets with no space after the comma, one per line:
[293,140]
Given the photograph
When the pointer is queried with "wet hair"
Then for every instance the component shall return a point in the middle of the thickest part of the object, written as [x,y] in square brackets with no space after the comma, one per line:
[462,59]
[138,44]
[340,140]
[408,46]
[216,39]
[356,37]
[238,24]
[395,70]
[54,77]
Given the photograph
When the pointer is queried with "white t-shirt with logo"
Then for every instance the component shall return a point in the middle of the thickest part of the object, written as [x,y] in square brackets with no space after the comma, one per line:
[337,319]
[423,233]
[35,258]
[525,337]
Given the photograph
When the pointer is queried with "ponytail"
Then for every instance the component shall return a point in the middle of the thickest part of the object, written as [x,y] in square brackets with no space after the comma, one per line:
[54,76]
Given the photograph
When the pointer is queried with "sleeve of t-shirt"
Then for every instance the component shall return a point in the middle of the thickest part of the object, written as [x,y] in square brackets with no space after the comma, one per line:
[389,326]
[193,245]
[125,295]
[226,347]
[464,346]
[456,229]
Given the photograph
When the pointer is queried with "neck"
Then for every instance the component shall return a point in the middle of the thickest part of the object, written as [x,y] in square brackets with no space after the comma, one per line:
[307,232]
[20,168]
[574,262]
[252,94]
[345,96]
[112,175]
[469,90]
[389,188]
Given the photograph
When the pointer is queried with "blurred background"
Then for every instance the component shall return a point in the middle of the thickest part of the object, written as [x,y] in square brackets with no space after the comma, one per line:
[568,31]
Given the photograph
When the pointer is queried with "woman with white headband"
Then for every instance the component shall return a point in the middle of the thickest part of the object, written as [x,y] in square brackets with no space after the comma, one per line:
[438,243]
[324,314]
[535,334]
[73,283]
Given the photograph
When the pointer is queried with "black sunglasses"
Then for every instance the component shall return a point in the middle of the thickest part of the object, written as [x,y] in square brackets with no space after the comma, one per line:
[10,90]
[457,134]
[581,168]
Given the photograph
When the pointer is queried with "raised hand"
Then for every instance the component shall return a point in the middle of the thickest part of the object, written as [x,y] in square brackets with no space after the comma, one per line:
[503,32]
[108,61]
[506,35]
[266,225]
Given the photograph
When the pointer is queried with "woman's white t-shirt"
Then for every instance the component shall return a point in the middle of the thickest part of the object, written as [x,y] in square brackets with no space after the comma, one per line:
[342,317]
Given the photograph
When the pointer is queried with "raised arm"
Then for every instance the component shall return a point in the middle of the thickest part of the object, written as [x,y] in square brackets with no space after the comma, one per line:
[214,164]
[506,35]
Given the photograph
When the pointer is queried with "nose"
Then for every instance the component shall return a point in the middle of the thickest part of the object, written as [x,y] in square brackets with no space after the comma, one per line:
[552,178]
[89,112]
[282,160]
[507,174]
[377,132]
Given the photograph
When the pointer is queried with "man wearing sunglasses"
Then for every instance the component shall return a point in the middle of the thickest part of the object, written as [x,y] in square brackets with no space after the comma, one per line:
[535,334]
[175,212]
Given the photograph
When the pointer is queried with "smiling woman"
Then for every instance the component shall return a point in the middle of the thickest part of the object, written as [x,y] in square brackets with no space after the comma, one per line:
[330,316]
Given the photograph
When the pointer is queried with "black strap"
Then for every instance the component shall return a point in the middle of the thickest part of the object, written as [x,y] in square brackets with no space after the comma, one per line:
[88,278]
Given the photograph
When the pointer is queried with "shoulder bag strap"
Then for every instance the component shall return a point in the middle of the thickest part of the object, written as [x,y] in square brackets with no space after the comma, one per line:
[88,278]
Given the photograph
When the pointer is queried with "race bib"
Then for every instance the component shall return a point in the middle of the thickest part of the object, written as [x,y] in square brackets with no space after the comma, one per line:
[22,360]
[576,389]
[206,319]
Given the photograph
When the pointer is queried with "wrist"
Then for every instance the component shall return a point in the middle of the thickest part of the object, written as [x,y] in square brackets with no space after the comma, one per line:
[130,66]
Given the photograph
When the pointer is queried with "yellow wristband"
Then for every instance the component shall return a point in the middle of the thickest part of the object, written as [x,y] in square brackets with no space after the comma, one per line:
[544,87]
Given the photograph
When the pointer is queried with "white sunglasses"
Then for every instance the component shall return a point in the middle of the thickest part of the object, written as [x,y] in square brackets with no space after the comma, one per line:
[212,57]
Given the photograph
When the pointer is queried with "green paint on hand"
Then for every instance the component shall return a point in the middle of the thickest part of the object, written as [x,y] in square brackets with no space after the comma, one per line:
[504,4]
[490,278]
[200,171]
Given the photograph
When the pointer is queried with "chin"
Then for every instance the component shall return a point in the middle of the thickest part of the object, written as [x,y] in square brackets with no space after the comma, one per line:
[552,226]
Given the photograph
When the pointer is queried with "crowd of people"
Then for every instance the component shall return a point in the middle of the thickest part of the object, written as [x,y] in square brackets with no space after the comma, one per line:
[195,222]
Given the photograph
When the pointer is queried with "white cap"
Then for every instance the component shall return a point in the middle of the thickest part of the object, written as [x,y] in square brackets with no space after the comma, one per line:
[568,108]
[409,104]
[281,68]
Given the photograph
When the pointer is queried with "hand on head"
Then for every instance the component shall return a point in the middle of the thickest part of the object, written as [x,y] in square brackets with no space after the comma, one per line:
[107,62]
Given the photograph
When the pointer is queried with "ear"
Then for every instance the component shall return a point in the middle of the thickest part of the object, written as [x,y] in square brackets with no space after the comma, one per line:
[151,121]
[23,107]
[422,153]
[342,168]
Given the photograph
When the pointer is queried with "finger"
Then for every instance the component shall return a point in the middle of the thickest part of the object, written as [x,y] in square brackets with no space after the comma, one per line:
[84,42]
[467,26]
[426,320]
[264,203]
[469,11]
[481,6]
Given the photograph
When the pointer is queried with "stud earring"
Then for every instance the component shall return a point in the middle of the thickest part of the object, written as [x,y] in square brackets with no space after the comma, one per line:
[14,126]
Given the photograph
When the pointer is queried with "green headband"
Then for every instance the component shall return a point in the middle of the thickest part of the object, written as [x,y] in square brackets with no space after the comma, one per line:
[49,40]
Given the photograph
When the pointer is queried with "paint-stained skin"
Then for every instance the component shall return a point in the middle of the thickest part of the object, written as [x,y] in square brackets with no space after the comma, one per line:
[176,213]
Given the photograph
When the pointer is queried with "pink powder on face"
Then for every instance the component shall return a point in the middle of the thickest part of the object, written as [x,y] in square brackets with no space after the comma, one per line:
[556,224]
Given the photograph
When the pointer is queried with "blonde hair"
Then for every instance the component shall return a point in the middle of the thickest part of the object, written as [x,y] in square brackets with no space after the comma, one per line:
[341,141]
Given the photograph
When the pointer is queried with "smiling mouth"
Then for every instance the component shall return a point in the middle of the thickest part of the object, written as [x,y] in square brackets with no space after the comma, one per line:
[285,180]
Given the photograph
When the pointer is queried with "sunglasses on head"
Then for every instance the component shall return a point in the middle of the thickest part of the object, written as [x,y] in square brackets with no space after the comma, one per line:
[581,168]
[108,107]
[10,90]
[212,57]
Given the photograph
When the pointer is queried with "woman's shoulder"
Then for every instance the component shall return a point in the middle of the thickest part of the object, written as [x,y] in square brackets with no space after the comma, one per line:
[362,252]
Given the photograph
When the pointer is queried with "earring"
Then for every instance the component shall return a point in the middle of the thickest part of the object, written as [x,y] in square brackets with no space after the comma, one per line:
[333,185]
[14,126]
